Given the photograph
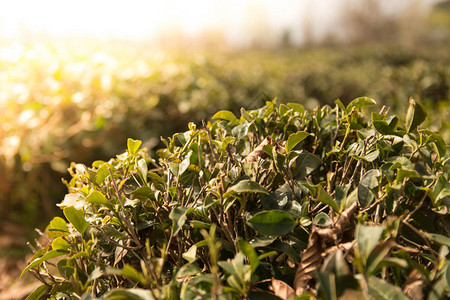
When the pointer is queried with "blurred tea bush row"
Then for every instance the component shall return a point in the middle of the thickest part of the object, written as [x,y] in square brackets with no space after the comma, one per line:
[60,104]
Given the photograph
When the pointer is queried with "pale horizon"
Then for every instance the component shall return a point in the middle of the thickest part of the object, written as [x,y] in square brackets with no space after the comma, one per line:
[138,20]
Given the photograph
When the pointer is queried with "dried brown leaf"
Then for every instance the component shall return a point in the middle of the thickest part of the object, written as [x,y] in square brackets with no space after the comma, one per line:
[319,241]
[281,289]
[413,287]
[259,151]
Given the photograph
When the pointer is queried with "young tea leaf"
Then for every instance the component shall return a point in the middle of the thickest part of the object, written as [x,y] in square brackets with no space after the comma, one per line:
[322,220]
[129,294]
[327,199]
[178,216]
[415,115]
[38,293]
[76,218]
[360,102]
[367,238]
[224,115]
[57,227]
[46,256]
[368,182]
[133,145]
[294,139]
[97,197]
[382,290]
[250,252]
[298,108]
[60,244]
[248,186]
[143,169]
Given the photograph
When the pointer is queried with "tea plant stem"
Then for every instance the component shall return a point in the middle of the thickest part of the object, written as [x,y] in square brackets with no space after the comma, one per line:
[225,229]
[423,236]
[331,128]
[39,277]
[116,243]
[419,205]
[347,167]
[129,228]
[338,125]
[216,158]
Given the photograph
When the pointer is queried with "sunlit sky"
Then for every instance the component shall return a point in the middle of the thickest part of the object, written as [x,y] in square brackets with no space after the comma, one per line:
[139,19]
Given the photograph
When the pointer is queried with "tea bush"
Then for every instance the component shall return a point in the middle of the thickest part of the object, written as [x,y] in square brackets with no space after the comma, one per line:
[277,203]
[80,103]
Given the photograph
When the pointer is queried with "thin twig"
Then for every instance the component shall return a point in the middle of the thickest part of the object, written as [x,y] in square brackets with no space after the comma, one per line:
[216,158]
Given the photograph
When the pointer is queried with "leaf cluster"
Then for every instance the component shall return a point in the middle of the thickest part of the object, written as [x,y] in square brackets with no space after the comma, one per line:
[277,203]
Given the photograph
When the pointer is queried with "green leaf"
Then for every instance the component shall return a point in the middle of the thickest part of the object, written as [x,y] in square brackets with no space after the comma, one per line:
[380,124]
[191,254]
[250,252]
[76,218]
[368,182]
[280,246]
[46,256]
[447,275]
[247,186]
[155,177]
[130,272]
[127,271]
[298,108]
[327,199]
[190,269]
[306,163]
[341,106]
[371,156]
[184,165]
[57,227]
[279,160]
[38,292]
[327,286]
[444,193]
[380,289]
[240,131]
[226,141]
[405,173]
[322,220]
[129,294]
[178,216]
[360,102]
[294,139]
[133,145]
[272,222]
[438,238]
[102,173]
[97,197]
[224,115]
[143,169]
[336,264]
[376,257]
[234,266]
[283,109]
[60,244]
[143,192]
[415,115]
[367,238]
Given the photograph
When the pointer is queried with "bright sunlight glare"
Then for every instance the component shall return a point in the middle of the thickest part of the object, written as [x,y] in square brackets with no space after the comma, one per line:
[237,20]
[138,19]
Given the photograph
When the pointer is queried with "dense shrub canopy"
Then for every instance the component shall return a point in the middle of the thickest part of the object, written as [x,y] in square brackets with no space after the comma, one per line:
[80,103]
[276,203]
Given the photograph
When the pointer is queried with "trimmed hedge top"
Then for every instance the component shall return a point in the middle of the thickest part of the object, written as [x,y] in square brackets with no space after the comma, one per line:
[279,203]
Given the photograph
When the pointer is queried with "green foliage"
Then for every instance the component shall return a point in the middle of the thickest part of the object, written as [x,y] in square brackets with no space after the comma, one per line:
[79,104]
[244,207]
